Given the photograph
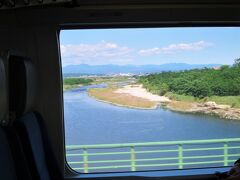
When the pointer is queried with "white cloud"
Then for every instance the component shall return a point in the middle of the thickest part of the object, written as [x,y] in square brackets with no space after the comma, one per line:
[112,53]
[173,48]
[99,53]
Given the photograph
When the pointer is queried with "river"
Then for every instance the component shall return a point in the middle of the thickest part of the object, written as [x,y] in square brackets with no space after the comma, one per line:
[88,121]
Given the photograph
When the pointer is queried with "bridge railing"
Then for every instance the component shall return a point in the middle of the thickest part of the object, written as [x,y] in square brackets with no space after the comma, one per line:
[175,154]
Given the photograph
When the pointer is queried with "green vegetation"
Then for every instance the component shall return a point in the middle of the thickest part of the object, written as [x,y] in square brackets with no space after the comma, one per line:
[74,81]
[113,81]
[237,62]
[179,97]
[198,83]
[233,101]
[70,83]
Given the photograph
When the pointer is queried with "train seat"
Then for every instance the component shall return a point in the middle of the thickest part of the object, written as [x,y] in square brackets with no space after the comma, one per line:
[8,169]
[29,123]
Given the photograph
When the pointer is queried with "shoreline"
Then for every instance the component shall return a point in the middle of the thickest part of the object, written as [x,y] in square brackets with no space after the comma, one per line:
[109,95]
[212,111]
[137,92]
[121,105]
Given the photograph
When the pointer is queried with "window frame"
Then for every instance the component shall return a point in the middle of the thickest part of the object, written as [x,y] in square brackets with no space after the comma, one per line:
[178,174]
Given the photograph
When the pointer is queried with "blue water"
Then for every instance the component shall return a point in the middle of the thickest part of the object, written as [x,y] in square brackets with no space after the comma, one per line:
[88,121]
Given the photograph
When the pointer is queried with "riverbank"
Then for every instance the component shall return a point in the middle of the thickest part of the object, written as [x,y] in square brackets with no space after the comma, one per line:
[210,108]
[76,82]
[70,87]
[135,96]
[110,95]
[140,92]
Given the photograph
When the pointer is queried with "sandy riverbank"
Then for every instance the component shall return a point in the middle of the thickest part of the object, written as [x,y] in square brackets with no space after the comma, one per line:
[139,91]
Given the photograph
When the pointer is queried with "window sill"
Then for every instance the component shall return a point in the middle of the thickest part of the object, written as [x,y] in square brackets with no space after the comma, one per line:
[170,174]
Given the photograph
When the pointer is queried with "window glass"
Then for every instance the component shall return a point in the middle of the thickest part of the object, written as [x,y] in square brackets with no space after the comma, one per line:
[151,98]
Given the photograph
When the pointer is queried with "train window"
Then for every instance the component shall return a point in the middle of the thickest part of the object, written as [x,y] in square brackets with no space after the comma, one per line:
[140,99]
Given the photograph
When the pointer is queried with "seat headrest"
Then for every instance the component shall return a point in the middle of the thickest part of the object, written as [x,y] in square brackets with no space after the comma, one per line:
[3,94]
[22,85]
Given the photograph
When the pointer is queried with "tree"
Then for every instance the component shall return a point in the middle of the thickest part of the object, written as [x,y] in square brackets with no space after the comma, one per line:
[224,67]
[199,83]
[237,62]
[200,89]
[164,88]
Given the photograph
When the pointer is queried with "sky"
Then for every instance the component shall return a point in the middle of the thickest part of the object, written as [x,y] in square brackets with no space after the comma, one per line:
[150,46]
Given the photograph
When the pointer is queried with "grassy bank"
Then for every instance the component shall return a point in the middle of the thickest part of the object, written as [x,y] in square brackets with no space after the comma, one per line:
[71,83]
[233,101]
[109,95]
[111,81]
[74,82]
[68,87]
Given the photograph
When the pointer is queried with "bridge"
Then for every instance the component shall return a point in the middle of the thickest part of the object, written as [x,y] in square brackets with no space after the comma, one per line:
[153,155]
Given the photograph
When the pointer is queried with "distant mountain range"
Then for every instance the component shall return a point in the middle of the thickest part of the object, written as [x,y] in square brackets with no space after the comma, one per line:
[140,69]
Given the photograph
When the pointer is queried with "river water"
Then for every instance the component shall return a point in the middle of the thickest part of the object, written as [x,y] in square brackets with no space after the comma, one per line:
[88,121]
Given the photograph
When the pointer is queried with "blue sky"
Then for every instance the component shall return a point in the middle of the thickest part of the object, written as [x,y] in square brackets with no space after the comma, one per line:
[150,46]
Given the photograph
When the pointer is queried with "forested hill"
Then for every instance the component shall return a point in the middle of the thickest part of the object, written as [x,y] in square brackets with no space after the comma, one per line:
[200,83]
